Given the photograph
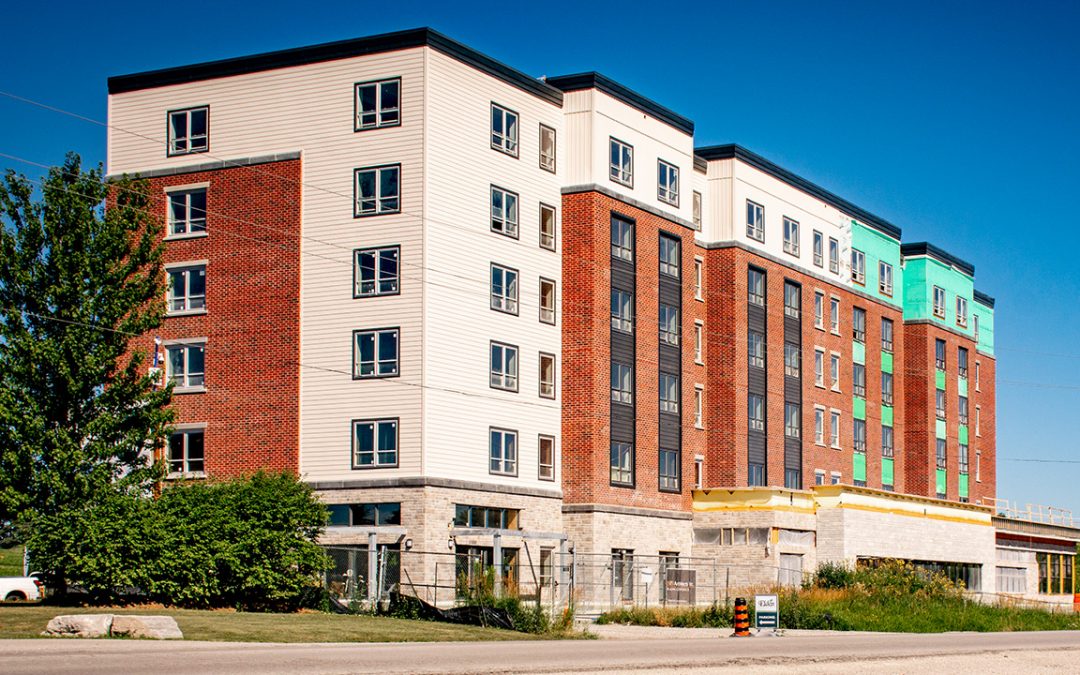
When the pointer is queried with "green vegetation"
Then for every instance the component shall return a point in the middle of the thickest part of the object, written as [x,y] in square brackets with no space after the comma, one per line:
[11,561]
[893,597]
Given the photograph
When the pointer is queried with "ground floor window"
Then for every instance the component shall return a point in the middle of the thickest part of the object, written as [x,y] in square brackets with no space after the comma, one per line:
[475,568]
[622,573]
[1012,580]
[969,574]
[1055,573]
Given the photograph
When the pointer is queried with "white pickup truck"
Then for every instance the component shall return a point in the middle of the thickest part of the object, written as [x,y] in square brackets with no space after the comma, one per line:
[21,589]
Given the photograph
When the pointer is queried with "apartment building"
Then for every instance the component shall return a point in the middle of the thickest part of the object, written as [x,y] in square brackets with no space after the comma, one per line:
[488,314]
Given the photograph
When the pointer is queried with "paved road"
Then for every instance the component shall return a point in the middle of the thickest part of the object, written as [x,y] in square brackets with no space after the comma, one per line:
[829,653]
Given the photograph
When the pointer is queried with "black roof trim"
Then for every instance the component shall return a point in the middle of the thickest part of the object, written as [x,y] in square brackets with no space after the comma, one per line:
[925,248]
[594,80]
[329,51]
[733,150]
[983,298]
[700,164]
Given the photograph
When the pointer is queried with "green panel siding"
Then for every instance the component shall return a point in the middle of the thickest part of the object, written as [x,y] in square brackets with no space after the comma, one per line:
[886,362]
[858,466]
[963,485]
[939,428]
[887,471]
[941,481]
[878,246]
[921,274]
[962,434]
[887,415]
[858,352]
[939,379]
[858,407]
[986,327]
[961,383]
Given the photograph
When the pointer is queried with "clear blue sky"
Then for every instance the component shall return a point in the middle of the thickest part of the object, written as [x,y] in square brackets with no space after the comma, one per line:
[959,123]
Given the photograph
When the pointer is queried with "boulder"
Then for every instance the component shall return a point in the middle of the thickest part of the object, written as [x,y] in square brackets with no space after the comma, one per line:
[80,625]
[153,627]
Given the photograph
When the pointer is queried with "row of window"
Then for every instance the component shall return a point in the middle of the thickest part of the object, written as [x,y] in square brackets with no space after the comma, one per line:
[622,467]
[961,309]
[621,170]
[962,458]
[504,293]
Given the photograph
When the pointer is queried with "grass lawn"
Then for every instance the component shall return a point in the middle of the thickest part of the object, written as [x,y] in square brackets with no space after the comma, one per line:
[27,621]
[11,560]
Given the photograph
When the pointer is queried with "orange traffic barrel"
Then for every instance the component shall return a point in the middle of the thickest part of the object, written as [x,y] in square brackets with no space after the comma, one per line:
[742,619]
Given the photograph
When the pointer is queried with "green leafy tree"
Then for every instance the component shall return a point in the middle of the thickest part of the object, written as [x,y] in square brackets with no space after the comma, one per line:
[78,411]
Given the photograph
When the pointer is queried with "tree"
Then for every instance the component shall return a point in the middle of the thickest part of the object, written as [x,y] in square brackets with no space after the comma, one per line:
[78,410]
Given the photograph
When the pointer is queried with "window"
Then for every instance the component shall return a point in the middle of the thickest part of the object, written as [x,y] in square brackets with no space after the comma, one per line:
[669,393]
[375,443]
[622,383]
[622,239]
[547,227]
[187,289]
[1012,580]
[622,463]
[819,477]
[792,360]
[819,367]
[378,104]
[963,410]
[978,466]
[756,349]
[834,315]
[819,310]
[963,458]
[669,470]
[975,326]
[699,278]
[819,426]
[486,516]
[792,300]
[504,366]
[503,452]
[939,354]
[834,428]
[792,420]
[939,403]
[388,513]
[755,283]
[886,335]
[885,278]
[756,410]
[547,148]
[377,190]
[547,375]
[187,213]
[669,256]
[887,441]
[377,271]
[186,366]
[961,311]
[375,353]
[859,434]
[699,473]
[756,474]
[667,182]
[697,210]
[504,289]
[978,420]
[504,130]
[858,266]
[187,452]
[622,162]
[834,256]
[699,406]
[791,236]
[858,373]
[189,131]
[755,221]
[886,388]
[669,325]
[834,371]
[940,454]
[546,449]
[622,318]
[504,212]
[978,367]
[699,340]
[939,302]
[858,324]
[547,301]
[819,249]
[962,361]
[834,478]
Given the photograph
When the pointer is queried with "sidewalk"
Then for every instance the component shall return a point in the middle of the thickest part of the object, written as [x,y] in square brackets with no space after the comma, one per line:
[620,632]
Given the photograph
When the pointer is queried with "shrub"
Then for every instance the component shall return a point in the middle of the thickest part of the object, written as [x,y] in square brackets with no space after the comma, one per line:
[833,575]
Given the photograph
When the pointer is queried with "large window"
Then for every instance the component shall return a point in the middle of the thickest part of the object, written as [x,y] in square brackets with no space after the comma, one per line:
[940,454]
[622,239]
[886,388]
[756,349]
[858,324]
[377,271]
[667,182]
[622,463]
[755,287]
[939,302]
[669,470]
[858,266]
[378,190]
[819,249]
[187,289]
[622,310]
[791,236]
[859,435]
[886,335]
[939,403]
[503,452]
[792,360]
[669,256]
[669,393]
[887,449]
[792,300]
[493,517]
[622,383]
[546,451]
[186,366]
[378,104]
[504,212]
[547,148]
[669,325]
[756,412]
[547,375]
[504,366]
[547,227]
[375,353]
[858,373]
[834,256]
[189,131]
[885,284]
[755,220]
[504,129]
[622,162]
[939,354]
[547,300]
[792,420]
[375,443]
[187,452]
[187,213]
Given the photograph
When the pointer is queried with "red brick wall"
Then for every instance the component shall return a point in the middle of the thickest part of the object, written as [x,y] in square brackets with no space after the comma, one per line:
[986,398]
[251,403]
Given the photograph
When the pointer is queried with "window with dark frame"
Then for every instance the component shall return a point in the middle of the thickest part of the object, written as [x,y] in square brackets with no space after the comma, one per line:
[504,367]
[377,190]
[375,353]
[187,451]
[547,375]
[621,162]
[669,324]
[187,213]
[375,443]
[622,387]
[792,300]
[504,212]
[378,104]
[886,388]
[186,292]
[504,130]
[755,221]
[622,310]
[547,227]
[819,249]
[503,452]
[622,239]
[377,271]
[756,412]
[185,365]
[504,289]
[669,393]
[547,301]
[791,236]
[887,449]
[669,470]
[755,287]
[939,354]
[189,131]
[858,374]
[546,451]
[858,266]
[667,182]
[622,463]
[547,148]
[858,324]
[886,335]
[669,256]
[834,256]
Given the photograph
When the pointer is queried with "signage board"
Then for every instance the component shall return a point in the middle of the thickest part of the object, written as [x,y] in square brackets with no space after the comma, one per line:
[766,611]
[680,586]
